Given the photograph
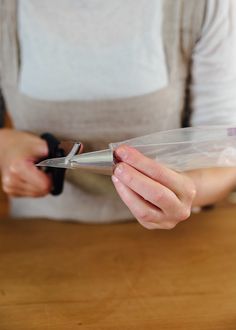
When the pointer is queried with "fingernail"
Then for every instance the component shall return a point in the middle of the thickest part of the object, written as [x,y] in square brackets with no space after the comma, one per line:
[121,152]
[119,169]
[114,179]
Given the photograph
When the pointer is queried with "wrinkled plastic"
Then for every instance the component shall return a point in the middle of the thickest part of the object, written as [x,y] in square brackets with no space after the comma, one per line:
[189,148]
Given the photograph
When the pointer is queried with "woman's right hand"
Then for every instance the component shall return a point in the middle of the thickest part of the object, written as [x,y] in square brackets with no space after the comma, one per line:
[18,153]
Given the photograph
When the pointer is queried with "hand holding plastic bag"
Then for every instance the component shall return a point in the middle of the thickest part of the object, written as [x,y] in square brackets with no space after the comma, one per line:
[147,182]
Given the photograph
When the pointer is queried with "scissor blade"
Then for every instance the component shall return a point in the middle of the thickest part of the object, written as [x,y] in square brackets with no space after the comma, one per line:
[61,162]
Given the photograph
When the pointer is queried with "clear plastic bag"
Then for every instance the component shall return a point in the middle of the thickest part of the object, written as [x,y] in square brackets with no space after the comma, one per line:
[189,148]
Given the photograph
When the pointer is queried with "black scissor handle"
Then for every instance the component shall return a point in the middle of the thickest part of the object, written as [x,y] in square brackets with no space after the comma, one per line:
[57,174]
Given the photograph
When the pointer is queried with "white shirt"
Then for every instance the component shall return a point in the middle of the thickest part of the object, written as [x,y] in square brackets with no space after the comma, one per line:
[214,67]
[102,49]
[91,49]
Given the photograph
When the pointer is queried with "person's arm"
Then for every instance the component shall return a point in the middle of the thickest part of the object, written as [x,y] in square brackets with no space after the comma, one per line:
[212,185]
[213,91]
[158,197]
[213,71]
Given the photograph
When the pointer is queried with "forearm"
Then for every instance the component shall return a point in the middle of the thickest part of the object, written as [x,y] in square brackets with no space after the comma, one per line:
[212,185]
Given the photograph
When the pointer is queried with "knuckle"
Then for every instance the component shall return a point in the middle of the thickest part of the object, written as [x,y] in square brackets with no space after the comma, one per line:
[184,213]
[6,180]
[7,184]
[128,179]
[158,172]
[158,197]
[191,189]
[192,192]
[143,216]
[14,168]
[146,216]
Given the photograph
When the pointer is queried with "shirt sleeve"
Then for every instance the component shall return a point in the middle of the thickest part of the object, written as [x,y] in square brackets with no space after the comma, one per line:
[213,87]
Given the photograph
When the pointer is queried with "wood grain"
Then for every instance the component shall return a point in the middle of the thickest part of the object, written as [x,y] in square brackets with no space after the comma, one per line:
[70,276]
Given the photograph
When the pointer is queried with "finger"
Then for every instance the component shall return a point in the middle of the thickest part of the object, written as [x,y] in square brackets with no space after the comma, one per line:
[16,186]
[146,214]
[28,172]
[14,192]
[11,181]
[150,190]
[151,168]
[26,190]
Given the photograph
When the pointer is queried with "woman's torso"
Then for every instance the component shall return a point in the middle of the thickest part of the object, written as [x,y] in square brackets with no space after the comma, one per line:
[98,122]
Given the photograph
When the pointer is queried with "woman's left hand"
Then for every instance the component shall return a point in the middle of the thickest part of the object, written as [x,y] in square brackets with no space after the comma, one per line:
[158,197]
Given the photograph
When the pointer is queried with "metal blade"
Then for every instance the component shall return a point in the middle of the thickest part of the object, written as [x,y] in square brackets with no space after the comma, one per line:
[95,162]
[71,148]
[55,162]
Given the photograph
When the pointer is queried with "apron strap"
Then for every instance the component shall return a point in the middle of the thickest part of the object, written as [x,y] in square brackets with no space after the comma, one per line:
[193,13]
[9,50]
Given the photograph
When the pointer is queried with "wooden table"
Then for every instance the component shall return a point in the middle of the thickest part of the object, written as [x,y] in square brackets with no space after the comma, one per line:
[56,276]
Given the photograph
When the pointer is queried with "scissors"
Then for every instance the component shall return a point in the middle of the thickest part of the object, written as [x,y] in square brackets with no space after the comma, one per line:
[57,150]
[56,163]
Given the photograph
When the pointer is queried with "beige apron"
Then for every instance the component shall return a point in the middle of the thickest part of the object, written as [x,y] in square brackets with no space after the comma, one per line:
[92,198]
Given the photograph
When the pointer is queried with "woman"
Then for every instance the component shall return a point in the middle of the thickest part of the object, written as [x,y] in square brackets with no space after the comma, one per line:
[102,71]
